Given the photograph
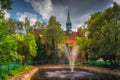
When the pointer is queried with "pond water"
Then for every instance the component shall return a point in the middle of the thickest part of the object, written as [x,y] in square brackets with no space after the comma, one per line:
[65,74]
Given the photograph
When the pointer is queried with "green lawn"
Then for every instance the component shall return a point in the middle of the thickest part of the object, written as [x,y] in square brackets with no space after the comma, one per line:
[11,70]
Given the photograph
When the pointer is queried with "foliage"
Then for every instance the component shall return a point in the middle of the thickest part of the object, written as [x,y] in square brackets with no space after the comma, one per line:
[5,75]
[10,26]
[29,41]
[54,36]
[82,31]
[27,24]
[26,46]
[2,29]
[5,4]
[19,69]
[41,52]
[54,31]
[8,50]
[104,34]
[94,63]
[84,44]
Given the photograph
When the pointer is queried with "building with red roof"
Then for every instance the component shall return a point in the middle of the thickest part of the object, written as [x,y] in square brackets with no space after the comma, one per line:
[69,33]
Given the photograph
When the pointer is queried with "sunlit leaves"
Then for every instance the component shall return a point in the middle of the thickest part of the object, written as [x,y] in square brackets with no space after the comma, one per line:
[8,50]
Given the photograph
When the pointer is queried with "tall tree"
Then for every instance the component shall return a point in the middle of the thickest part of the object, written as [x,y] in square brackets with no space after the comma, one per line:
[104,34]
[10,25]
[54,36]
[37,24]
[5,4]
[84,44]
[8,50]
[27,24]
[41,55]
[26,47]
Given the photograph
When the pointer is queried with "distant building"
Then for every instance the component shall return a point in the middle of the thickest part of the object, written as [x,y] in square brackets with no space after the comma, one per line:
[69,33]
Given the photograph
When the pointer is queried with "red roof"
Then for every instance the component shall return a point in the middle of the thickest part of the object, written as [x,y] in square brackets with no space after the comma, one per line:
[71,41]
[71,37]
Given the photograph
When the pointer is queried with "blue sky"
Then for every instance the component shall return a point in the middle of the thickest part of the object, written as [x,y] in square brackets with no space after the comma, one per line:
[80,10]
[20,6]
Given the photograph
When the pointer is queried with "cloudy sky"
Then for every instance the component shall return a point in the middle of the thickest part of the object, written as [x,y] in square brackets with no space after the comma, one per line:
[80,10]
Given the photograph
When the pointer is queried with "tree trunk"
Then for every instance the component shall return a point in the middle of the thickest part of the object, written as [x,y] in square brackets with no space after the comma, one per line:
[24,61]
[113,64]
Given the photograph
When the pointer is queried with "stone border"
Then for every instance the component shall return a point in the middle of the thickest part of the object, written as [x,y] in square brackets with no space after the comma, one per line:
[26,75]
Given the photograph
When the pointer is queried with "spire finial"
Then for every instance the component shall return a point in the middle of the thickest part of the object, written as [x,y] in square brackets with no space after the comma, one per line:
[68,23]
[68,14]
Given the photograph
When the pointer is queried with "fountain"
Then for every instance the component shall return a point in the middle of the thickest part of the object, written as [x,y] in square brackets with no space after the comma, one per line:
[53,73]
[70,53]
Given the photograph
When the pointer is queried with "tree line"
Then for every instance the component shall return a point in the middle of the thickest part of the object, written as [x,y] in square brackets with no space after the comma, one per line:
[23,48]
[103,36]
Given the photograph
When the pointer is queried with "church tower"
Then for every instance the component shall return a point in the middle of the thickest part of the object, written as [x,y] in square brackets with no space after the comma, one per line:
[68,24]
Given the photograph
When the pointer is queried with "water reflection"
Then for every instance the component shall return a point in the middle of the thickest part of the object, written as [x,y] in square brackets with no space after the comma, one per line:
[67,75]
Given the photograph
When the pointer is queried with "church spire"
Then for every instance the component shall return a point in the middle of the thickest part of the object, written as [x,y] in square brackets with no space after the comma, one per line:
[68,16]
[68,23]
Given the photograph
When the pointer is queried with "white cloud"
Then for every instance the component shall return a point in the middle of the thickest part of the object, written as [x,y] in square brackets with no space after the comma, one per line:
[47,9]
[77,22]
[44,7]
[30,16]
[7,15]
[61,14]
[117,1]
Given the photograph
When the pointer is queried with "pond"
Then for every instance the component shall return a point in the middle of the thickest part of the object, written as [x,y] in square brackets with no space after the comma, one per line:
[65,74]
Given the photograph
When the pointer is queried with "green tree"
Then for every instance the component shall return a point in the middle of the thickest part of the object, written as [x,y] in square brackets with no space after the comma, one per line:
[54,36]
[2,29]
[41,52]
[10,26]
[84,43]
[26,47]
[27,24]
[104,34]
[30,47]
[8,50]
[5,4]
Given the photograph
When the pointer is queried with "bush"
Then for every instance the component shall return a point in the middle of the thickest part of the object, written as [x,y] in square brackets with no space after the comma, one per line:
[5,75]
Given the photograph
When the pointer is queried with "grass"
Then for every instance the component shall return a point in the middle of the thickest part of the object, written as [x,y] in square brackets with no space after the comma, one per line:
[7,74]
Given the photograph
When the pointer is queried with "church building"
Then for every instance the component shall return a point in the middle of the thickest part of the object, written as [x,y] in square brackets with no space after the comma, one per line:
[69,33]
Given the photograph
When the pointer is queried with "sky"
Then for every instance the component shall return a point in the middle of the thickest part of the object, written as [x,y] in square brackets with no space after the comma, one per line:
[80,10]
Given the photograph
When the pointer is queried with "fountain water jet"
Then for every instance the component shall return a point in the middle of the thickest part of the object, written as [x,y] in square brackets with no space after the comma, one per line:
[70,53]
